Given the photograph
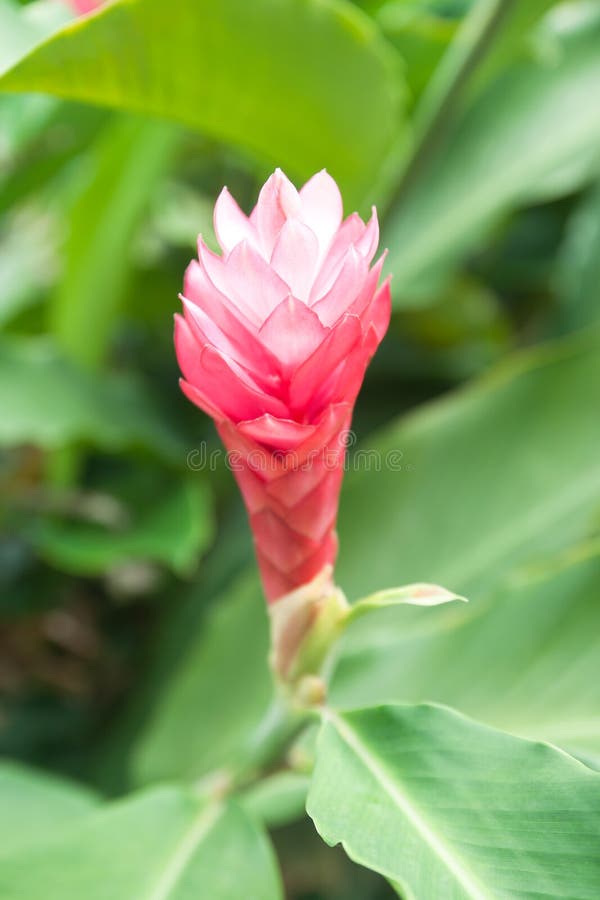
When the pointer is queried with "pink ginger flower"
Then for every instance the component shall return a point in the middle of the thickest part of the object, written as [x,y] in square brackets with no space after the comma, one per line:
[274,341]
[85,6]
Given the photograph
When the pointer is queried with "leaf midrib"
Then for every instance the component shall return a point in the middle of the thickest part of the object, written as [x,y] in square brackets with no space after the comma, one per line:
[187,845]
[453,864]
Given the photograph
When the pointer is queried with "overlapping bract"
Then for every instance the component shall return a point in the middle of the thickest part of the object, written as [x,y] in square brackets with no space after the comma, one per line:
[274,341]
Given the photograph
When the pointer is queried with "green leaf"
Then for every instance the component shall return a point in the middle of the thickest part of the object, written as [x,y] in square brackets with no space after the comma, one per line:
[172,526]
[165,844]
[445,807]
[579,264]
[121,172]
[500,153]
[35,806]
[27,260]
[524,660]
[420,35]
[485,492]
[46,400]
[467,489]
[210,712]
[21,29]
[513,40]
[320,88]
[413,594]
[278,799]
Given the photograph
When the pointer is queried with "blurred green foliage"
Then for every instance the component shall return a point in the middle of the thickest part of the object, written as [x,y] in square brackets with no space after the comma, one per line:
[133,639]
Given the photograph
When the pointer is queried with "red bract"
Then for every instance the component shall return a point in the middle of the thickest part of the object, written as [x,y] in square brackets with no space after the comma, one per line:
[274,341]
[85,6]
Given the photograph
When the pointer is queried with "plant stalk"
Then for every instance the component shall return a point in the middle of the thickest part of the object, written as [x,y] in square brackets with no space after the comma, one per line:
[445,90]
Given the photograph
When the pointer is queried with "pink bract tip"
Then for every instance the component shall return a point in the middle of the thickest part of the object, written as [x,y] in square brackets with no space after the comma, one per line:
[85,6]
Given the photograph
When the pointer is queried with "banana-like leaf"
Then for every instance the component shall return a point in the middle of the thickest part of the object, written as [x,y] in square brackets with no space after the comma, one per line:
[524,659]
[302,84]
[35,806]
[165,844]
[445,807]
[533,132]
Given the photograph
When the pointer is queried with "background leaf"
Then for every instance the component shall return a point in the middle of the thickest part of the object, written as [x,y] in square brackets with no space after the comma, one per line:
[320,89]
[579,263]
[174,526]
[199,722]
[121,174]
[278,799]
[182,847]
[35,806]
[445,807]
[46,400]
[524,659]
[496,158]
[467,490]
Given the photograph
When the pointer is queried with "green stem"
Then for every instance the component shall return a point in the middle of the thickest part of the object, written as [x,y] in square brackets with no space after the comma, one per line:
[272,737]
[446,88]
[63,466]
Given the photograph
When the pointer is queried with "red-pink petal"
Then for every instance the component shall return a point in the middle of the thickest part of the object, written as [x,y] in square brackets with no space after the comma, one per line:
[361,303]
[350,231]
[231,225]
[380,310]
[315,514]
[227,387]
[338,344]
[322,208]
[240,346]
[200,399]
[295,257]
[281,434]
[254,282]
[296,483]
[214,269]
[282,546]
[277,201]
[367,243]
[201,291]
[232,391]
[348,284]
[85,6]
[292,333]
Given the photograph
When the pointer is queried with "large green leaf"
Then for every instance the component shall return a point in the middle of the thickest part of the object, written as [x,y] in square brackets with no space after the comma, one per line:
[579,264]
[466,490]
[211,712]
[445,807]
[21,29]
[35,806]
[303,83]
[525,659]
[120,174]
[489,493]
[421,36]
[165,845]
[46,400]
[535,121]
